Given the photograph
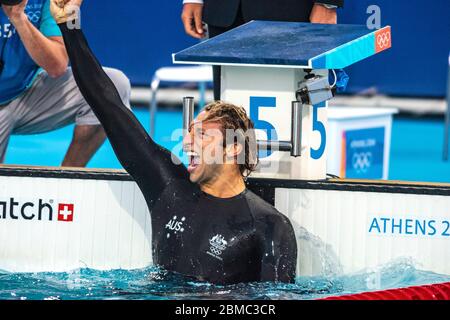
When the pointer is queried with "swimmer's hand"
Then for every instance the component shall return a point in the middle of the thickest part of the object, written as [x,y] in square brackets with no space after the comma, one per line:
[65,10]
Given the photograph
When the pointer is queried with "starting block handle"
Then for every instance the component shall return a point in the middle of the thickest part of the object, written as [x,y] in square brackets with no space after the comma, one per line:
[295,145]
[188,113]
[284,146]
[296,128]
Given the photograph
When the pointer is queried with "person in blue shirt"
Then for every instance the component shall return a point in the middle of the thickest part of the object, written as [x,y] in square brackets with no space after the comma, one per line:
[38,92]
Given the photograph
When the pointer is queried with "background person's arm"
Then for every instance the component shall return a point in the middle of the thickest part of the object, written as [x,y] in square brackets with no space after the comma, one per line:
[324,11]
[192,18]
[48,52]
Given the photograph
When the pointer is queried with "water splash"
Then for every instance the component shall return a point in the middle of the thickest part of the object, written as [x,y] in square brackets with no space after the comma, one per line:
[320,255]
[156,284]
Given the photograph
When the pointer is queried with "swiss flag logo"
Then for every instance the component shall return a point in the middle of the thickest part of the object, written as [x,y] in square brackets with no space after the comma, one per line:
[65,212]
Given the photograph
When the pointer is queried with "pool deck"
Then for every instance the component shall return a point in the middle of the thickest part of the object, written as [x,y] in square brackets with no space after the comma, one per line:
[433,107]
[416,146]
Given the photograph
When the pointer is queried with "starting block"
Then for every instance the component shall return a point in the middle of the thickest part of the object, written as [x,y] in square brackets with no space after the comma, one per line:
[278,70]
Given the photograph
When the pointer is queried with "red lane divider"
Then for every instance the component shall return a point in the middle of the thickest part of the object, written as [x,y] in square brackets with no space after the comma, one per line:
[439,291]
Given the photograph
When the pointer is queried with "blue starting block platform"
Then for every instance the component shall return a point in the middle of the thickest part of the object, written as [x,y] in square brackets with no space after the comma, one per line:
[289,44]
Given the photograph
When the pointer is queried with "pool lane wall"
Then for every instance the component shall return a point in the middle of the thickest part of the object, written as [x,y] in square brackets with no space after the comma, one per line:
[58,221]
[54,220]
[350,226]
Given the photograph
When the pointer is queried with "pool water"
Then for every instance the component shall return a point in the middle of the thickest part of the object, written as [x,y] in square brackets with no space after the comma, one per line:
[155,284]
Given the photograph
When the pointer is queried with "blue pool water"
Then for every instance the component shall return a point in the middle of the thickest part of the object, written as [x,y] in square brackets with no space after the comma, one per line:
[155,284]
[416,155]
[416,150]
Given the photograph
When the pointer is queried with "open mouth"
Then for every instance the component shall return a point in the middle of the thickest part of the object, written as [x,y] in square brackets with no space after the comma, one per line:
[194,161]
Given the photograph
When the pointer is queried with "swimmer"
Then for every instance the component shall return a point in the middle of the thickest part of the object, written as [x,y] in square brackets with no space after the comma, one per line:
[205,223]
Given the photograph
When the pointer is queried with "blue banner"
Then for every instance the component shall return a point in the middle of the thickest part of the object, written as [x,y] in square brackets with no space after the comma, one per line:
[364,153]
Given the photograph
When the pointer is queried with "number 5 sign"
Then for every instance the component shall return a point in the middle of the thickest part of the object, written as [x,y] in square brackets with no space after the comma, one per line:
[271,133]
[267,96]
[318,126]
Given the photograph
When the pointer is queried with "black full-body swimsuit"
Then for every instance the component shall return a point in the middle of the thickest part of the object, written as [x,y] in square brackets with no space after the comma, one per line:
[222,241]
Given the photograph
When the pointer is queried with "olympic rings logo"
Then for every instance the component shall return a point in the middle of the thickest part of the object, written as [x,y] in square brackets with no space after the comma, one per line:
[384,40]
[34,16]
[362,161]
[215,251]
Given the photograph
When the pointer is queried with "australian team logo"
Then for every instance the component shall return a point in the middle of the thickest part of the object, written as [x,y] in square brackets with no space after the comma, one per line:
[175,225]
[218,245]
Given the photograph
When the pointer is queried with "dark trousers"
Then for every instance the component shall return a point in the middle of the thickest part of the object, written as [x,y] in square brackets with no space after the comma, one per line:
[215,31]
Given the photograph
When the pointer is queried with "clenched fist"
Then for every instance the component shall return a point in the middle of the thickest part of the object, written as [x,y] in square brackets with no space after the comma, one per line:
[17,12]
[65,10]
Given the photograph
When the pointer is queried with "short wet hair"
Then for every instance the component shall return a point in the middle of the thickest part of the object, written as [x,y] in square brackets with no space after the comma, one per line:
[232,117]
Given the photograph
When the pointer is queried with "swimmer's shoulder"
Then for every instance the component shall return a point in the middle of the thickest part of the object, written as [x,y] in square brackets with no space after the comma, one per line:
[178,190]
[262,211]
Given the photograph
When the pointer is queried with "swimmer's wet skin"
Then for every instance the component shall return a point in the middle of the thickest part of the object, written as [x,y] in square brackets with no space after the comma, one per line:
[219,240]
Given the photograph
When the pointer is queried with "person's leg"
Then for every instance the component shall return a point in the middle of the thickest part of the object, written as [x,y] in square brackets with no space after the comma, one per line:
[54,103]
[88,134]
[86,140]
[6,127]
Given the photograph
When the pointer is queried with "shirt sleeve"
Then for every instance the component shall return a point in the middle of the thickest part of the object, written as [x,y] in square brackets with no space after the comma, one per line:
[193,1]
[337,3]
[48,26]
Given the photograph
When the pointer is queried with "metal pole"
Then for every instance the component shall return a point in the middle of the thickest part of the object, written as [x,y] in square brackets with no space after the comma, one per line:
[188,113]
[447,115]
[296,129]
[284,146]
[153,104]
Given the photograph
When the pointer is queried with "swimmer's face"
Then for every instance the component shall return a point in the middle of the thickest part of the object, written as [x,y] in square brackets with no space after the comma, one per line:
[204,147]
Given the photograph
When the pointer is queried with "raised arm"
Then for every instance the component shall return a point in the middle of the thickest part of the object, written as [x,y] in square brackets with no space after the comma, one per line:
[149,164]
